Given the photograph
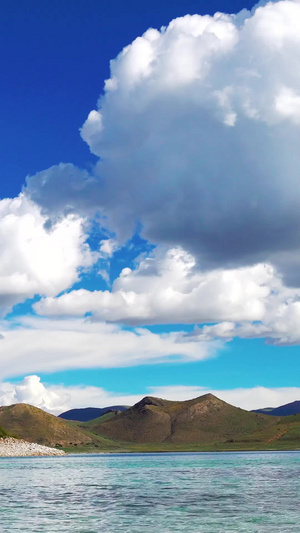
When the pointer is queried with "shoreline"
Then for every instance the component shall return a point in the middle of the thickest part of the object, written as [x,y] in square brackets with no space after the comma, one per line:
[147,452]
[14,447]
[11,447]
[21,448]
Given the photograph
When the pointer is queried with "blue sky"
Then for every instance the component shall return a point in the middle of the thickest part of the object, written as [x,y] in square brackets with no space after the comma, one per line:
[55,62]
[149,223]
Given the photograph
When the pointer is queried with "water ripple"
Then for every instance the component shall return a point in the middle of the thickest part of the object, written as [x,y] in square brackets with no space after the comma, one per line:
[197,493]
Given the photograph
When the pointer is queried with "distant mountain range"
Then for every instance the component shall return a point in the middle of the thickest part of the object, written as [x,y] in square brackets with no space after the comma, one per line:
[90,413]
[288,409]
[153,424]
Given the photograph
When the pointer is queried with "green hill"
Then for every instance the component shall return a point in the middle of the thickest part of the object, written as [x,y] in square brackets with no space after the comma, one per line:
[153,424]
[33,424]
[92,425]
[202,420]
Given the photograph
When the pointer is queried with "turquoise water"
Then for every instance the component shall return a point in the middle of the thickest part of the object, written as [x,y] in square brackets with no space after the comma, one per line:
[159,493]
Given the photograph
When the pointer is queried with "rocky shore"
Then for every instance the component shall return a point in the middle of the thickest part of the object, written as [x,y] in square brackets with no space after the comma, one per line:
[11,447]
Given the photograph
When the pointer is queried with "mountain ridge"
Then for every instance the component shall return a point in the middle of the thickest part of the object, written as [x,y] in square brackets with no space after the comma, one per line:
[85,414]
[292,408]
[198,420]
[205,423]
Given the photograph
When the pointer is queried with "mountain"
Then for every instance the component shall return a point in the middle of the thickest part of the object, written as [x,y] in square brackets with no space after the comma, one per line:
[89,413]
[153,424]
[288,409]
[92,425]
[201,420]
[34,425]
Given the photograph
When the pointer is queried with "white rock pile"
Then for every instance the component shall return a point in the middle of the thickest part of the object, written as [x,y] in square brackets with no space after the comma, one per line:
[11,447]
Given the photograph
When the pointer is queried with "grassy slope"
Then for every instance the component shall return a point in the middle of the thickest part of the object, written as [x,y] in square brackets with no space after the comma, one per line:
[92,425]
[35,425]
[203,424]
[204,419]
[287,442]
[224,427]
[3,433]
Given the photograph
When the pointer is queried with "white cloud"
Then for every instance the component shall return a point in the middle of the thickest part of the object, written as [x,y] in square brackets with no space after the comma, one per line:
[92,127]
[288,104]
[168,288]
[35,258]
[33,392]
[43,345]
[59,398]
[197,132]
[63,189]
[108,247]
[280,326]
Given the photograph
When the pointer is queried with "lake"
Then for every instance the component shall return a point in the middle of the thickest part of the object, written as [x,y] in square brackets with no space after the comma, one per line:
[157,493]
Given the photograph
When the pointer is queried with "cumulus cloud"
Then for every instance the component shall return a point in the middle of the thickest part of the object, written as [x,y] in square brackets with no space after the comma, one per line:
[167,288]
[108,247]
[35,258]
[33,392]
[59,398]
[198,131]
[43,345]
[63,189]
[197,134]
[280,326]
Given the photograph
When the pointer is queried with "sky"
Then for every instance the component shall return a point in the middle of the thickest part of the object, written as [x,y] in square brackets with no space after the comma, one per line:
[149,202]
